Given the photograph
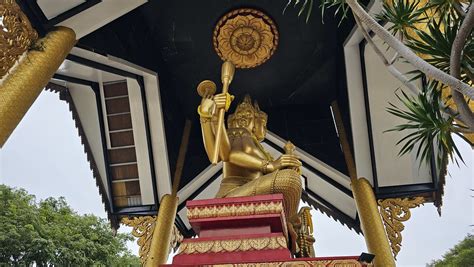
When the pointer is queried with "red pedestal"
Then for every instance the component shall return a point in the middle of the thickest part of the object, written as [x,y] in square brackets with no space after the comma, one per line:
[243,231]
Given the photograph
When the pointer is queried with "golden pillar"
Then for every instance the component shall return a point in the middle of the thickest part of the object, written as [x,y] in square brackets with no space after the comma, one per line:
[24,83]
[371,223]
[160,242]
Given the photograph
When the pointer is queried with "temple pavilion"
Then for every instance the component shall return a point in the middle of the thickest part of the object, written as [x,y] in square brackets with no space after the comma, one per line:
[129,75]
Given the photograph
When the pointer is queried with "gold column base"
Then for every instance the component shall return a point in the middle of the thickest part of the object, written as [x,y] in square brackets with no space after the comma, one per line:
[371,223]
[23,85]
[160,242]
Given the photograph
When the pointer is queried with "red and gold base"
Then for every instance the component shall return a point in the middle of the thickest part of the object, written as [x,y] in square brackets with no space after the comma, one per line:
[243,231]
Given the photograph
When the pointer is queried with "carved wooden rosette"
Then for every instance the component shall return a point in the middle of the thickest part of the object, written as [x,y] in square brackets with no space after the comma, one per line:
[16,35]
[143,228]
[394,212]
[246,37]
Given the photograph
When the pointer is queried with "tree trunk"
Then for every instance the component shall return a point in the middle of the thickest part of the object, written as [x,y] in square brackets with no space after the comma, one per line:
[455,67]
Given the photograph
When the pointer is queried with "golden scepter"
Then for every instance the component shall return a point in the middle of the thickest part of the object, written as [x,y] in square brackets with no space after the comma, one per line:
[227,73]
[208,87]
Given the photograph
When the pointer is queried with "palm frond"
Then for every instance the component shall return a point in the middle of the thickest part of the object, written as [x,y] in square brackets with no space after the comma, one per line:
[426,125]
[306,6]
[341,8]
[402,14]
[441,9]
[436,43]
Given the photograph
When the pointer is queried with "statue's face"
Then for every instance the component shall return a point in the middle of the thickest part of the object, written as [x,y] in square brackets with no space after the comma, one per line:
[260,128]
[244,119]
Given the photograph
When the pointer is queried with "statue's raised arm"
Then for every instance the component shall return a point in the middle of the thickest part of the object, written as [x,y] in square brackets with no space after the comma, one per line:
[215,138]
[209,125]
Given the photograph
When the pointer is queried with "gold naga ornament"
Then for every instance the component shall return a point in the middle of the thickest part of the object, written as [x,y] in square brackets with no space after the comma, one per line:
[246,37]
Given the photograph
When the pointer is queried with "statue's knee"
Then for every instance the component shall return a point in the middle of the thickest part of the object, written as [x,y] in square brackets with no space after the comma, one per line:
[288,179]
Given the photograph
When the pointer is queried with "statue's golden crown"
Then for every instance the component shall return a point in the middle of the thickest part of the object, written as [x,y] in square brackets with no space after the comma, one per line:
[244,113]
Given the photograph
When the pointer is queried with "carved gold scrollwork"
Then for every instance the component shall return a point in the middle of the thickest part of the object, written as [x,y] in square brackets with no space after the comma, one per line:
[235,210]
[394,212]
[304,232]
[16,34]
[246,37]
[215,246]
[143,228]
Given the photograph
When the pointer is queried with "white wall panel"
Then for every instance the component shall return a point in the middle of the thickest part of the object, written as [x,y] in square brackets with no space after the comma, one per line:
[382,88]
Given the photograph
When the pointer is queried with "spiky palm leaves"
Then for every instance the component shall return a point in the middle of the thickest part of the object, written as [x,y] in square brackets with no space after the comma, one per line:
[307,6]
[428,29]
[425,114]
[427,126]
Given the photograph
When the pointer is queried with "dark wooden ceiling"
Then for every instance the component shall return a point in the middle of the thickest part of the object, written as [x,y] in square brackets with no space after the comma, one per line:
[295,86]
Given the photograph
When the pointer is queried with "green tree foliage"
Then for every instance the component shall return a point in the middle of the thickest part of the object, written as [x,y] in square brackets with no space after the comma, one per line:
[49,232]
[461,255]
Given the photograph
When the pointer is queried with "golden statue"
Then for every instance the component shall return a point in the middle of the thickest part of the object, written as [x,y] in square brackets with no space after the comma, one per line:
[248,169]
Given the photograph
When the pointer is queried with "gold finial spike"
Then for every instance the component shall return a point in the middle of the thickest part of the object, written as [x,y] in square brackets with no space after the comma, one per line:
[289,148]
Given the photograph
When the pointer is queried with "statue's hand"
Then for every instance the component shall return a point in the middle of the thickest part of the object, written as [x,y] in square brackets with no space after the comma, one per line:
[220,100]
[207,105]
[285,161]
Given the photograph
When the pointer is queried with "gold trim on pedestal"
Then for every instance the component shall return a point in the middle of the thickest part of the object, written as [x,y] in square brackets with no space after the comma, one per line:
[246,37]
[235,210]
[234,245]
[310,263]
[394,211]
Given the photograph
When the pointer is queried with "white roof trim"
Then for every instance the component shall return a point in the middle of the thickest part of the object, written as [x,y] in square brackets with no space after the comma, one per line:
[319,165]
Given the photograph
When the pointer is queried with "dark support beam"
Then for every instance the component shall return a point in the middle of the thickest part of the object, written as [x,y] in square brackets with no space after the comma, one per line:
[346,148]
[181,157]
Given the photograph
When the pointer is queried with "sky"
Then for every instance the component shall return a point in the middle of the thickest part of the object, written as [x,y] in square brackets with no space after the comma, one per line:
[44,155]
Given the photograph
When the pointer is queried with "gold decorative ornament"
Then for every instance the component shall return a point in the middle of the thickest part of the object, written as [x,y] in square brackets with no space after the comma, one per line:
[246,37]
[235,210]
[143,228]
[305,237]
[394,212]
[16,35]
[233,245]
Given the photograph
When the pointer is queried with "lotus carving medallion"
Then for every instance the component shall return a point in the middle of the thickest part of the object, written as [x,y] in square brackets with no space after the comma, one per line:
[246,37]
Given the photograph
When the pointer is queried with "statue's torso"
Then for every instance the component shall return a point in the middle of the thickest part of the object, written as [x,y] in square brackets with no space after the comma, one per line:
[242,140]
